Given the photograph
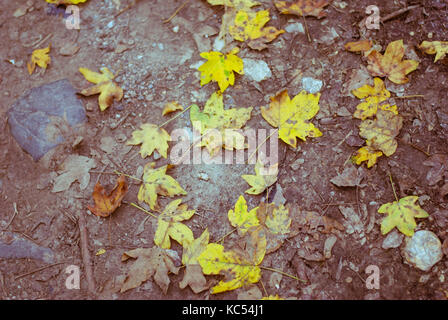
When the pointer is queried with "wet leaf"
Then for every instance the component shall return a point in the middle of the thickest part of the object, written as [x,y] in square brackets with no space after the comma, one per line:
[39,57]
[217,124]
[263,178]
[151,263]
[249,26]
[440,48]
[108,202]
[104,85]
[242,219]
[151,137]
[156,181]
[391,64]
[220,68]
[171,107]
[303,7]
[401,214]
[291,116]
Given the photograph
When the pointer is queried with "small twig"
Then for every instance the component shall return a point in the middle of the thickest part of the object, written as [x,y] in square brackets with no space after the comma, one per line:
[177,115]
[37,270]
[99,176]
[392,184]
[2,284]
[264,289]
[143,209]
[224,236]
[410,96]
[416,147]
[339,204]
[306,29]
[86,254]
[126,175]
[283,273]
[176,12]
[397,13]
[263,142]
[13,216]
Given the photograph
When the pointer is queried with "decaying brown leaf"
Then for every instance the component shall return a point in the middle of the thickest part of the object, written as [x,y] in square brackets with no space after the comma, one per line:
[350,177]
[108,202]
[439,168]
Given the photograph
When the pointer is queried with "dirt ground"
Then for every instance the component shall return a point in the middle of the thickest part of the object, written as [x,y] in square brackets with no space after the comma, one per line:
[155,69]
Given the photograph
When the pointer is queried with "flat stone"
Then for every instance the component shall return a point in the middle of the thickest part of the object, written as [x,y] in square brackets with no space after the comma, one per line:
[423,250]
[37,117]
[257,70]
[393,240]
[14,247]
[311,85]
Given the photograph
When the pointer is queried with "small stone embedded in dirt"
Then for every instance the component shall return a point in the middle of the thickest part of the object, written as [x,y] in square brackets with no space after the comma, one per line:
[38,120]
[296,164]
[392,240]
[423,250]
[343,112]
[311,85]
[295,28]
[328,246]
[354,141]
[279,199]
[14,247]
[256,70]
[69,49]
[352,223]
[203,176]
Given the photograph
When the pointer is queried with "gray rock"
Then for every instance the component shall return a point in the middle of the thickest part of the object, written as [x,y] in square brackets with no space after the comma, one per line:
[393,240]
[257,70]
[311,85]
[423,250]
[37,117]
[295,28]
[14,247]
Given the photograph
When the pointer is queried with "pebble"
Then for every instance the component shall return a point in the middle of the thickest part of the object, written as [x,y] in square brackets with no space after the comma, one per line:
[328,246]
[311,85]
[393,240]
[176,29]
[296,164]
[423,250]
[156,155]
[295,28]
[203,176]
[256,70]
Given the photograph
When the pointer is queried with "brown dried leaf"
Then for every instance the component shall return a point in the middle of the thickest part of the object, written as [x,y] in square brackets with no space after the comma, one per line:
[439,168]
[106,203]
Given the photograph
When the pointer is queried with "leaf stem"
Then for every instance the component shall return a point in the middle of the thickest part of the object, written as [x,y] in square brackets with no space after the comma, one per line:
[410,96]
[283,273]
[258,147]
[126,175]
[177,115]
[227,234]
[144,210]
[392,184]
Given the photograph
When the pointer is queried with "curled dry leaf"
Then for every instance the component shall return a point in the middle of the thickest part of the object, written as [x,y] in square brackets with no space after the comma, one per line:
[359,46]
[249,26]
[440,48]
[151,263]
[303,8]
[171,107]
[108,202]
[391,64]
[104,85]
[39,57]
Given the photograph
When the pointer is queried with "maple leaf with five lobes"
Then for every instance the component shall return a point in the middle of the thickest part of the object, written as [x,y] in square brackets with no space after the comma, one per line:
[220,68]
[381,132]
[39,57]
[391,64]
[169,225]
[303,8]
[402,214]
[262,179]
[373,97]
[104,85]
[249,26]
[193,272]
[152,138]
[156,181]
[216,124]
[242,219]
[440,48]
[291,116]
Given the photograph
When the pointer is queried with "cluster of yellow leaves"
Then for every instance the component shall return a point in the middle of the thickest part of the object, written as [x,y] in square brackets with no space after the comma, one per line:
[303,8]
[218,126]
[291,116]
[439,48]
[220,68]
[249,25]
[104,85]
[401,214]
[39,57]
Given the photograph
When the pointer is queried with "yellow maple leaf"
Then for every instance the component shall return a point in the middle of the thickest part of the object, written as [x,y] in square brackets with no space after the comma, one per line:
[401,214]
[220,68]
[391,64]
[373,97]
[359,46]
[156,181]
[250,26]
[104,85]
[217,125]
[193,272]
[152,138]
[39,57]
[272,297]
[171,107]
[381,132]
[242,219]
[303,8]
[58,2]
[367,154]
[237,266]
[440,48]
[169,225]
[291,116]
[262,179]
[239,4]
